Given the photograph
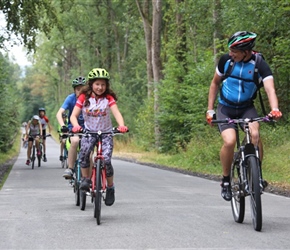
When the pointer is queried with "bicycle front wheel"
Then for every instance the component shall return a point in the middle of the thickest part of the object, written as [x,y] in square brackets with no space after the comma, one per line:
[238,199]
[98,193]
[33,157]
[39,155]
[255,192]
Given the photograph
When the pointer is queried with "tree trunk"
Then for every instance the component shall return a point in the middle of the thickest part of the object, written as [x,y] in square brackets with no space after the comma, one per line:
[156,61]
[181,36]
[217,27]
[145,14]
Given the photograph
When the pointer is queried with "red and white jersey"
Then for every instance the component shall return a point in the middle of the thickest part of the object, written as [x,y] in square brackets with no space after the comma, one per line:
[44,121]
[97,114]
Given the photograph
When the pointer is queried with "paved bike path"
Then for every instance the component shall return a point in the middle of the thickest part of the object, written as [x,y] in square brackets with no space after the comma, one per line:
[154,209]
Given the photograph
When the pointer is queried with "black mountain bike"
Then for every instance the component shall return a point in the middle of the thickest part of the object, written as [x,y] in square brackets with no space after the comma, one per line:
[34,153]
[246,176]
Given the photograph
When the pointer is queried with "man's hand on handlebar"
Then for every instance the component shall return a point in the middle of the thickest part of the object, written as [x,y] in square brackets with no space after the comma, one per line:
[210,115]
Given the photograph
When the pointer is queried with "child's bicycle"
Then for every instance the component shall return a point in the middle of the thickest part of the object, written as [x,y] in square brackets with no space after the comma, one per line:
[63,160]
[34,154]
[98,178]
[246,176]
[76,180]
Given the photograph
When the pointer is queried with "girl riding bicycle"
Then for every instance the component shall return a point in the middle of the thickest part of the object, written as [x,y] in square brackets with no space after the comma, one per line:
[95,103]
[33,132]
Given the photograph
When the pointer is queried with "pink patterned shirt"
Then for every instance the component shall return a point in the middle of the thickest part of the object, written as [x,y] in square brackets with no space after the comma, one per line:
[97,114]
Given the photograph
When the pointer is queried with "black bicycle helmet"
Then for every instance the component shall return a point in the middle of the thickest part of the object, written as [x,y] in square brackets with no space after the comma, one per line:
[98,73]
[242,40]
[41,109]
[78,81]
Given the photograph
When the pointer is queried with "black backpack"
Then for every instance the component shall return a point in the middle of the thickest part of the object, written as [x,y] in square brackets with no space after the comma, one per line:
[259,83]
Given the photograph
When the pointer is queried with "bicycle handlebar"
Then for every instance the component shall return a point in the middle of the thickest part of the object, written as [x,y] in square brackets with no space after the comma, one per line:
[33,136]
[87,133]
[244,120]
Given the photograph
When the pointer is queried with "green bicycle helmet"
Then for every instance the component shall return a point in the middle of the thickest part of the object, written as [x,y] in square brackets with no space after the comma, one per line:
[78,81]
[242,40]
[98,73]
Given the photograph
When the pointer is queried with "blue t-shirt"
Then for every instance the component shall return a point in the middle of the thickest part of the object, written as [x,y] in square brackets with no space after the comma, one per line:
[69,104]
[237,90]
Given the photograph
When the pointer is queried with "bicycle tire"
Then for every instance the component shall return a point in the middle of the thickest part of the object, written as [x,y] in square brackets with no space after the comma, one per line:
[33,157]
[64,160]
[77,192]
[98,193]
[77,181]
[39,156]
[238,198]
[255,192]
[83,199]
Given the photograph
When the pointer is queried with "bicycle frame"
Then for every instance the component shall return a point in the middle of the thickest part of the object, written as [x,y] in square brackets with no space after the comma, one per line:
[98,176]
[245,173]
[33,150]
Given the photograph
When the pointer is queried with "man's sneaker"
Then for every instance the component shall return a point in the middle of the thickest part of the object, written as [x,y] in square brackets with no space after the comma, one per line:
[27,162]
[110,196]
[61,158]
[68,173]
[44,158]
[226,191]
[85,184]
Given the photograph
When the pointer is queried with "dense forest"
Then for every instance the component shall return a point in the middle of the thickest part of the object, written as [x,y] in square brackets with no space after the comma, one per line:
[161,55]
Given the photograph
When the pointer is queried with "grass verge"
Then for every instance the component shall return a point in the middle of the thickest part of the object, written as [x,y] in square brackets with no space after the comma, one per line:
[6,159]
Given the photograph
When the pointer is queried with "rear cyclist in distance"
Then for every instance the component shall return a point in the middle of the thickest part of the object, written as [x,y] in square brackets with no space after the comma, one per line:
[96,102]
[69,104]
[45,123]
[62,135]
[33,132]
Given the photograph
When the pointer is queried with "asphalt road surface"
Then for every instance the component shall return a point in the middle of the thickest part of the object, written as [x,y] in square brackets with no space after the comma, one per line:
[154,209]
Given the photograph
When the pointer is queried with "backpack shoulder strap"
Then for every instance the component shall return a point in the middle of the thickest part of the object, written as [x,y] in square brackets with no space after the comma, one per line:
[229,69]
[258,59]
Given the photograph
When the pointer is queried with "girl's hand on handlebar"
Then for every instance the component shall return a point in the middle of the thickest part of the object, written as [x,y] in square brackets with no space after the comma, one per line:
[77,129]
[123,129]
[275,114]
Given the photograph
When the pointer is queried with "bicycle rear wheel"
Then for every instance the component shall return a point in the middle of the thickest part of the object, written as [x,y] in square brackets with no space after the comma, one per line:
[255,192]
[98,193]
[83,199]
[33,157]
[238,199]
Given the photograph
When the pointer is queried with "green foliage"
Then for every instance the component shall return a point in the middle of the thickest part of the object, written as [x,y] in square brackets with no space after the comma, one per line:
[79,35]
[9,103]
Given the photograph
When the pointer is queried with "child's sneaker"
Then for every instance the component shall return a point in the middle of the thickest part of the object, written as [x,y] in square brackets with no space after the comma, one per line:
[27,162]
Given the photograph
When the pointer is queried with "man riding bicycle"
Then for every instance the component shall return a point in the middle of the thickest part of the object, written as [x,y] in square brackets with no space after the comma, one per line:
[236,98]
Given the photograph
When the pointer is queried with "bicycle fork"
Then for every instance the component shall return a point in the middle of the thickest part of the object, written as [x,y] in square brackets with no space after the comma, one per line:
[246,151]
